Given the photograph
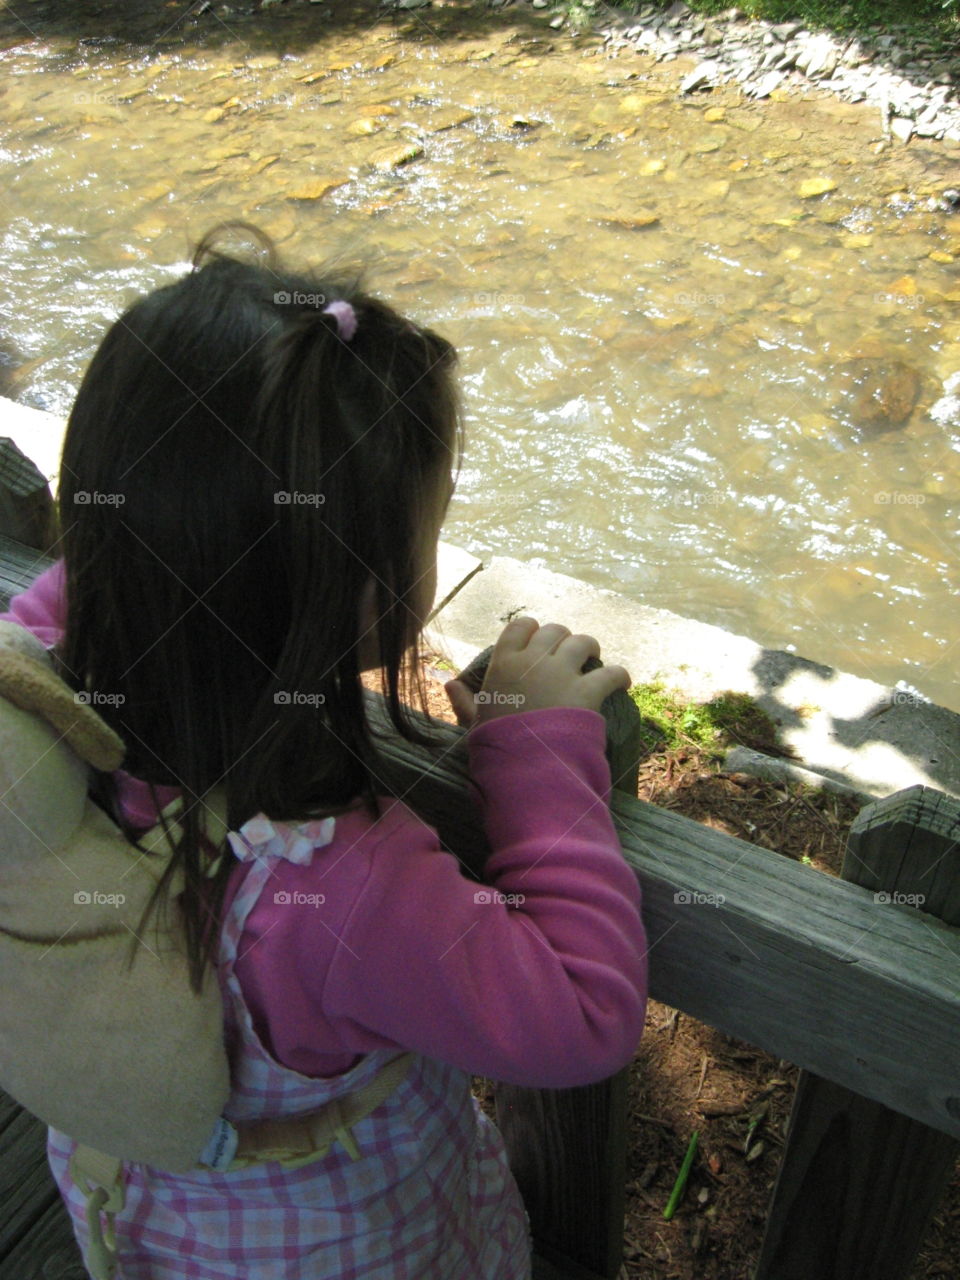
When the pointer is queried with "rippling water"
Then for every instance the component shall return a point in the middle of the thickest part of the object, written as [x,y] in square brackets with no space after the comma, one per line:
[684,380]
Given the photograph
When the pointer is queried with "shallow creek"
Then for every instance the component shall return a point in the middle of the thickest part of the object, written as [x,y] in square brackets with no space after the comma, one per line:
[686,377]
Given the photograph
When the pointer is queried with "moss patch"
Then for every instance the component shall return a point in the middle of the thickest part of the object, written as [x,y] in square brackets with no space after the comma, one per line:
[729,719]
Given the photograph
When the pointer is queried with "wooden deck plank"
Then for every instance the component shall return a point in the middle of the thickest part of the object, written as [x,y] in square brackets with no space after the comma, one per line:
[36,1238]
[47,1251]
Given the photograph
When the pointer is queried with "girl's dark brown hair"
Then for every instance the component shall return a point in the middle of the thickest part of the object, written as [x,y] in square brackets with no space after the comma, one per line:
[233,474]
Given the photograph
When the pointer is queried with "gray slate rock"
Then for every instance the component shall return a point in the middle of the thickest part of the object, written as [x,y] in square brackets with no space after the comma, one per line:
[701,75]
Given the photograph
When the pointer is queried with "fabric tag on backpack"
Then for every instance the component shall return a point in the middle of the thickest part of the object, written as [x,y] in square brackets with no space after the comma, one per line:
[222,1147]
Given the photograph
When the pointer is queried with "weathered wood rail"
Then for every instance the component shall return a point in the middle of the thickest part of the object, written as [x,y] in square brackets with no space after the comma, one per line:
[863,995]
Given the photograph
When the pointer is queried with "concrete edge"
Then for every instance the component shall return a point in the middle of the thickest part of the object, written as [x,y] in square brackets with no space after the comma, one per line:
[861,734]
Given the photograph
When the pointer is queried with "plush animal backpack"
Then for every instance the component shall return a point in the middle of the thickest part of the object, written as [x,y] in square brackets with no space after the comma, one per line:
[125,1059]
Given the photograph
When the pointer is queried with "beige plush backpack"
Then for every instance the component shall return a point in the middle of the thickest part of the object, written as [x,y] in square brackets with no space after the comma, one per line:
[127,1060]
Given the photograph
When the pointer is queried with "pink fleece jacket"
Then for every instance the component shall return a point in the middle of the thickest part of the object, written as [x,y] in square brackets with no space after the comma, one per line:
[548,991]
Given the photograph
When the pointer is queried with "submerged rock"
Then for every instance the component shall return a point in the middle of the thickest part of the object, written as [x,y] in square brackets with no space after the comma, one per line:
[879,395]
[811,187]
[632,220]
[399,153]
[316,189]
[363,126]
[707,142]
[447,118]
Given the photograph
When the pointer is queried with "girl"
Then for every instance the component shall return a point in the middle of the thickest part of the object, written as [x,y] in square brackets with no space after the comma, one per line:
[254,476]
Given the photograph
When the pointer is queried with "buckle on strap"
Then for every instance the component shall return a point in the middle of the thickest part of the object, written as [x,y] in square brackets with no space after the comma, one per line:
[297,1140]
[100,1178]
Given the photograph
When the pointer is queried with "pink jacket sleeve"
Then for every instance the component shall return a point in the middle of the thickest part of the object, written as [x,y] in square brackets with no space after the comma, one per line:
[41,608]
[547,988]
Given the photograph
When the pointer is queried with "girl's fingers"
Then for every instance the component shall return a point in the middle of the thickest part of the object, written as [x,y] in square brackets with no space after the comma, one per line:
[606,680]
[517,634]
[580,648]
[462,701]
[549,638]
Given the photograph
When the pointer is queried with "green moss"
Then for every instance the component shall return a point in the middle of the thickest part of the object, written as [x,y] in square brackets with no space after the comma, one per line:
[729,719]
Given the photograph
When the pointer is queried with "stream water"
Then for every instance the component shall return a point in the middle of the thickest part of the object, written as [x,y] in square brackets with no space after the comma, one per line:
[685,378]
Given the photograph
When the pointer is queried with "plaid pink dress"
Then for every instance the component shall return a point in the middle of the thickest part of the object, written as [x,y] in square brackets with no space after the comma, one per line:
[431,1197]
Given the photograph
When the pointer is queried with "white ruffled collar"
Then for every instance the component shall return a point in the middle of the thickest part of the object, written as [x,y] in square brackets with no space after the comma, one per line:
[260,838]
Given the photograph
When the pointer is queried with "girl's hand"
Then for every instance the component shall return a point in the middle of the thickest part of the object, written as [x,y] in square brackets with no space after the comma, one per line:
[532,668]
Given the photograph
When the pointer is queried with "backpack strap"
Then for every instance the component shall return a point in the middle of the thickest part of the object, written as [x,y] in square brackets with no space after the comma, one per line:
[100,1178]
[298,1140]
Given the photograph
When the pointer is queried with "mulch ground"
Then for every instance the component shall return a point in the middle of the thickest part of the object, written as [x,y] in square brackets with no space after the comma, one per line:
[687,1075]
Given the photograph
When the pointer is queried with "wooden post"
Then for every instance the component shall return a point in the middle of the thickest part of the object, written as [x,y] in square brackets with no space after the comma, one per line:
[26,506]
[568,1147]
[858,1183]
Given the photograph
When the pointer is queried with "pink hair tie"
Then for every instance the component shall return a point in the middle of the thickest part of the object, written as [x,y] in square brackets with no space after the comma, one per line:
[345,317]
